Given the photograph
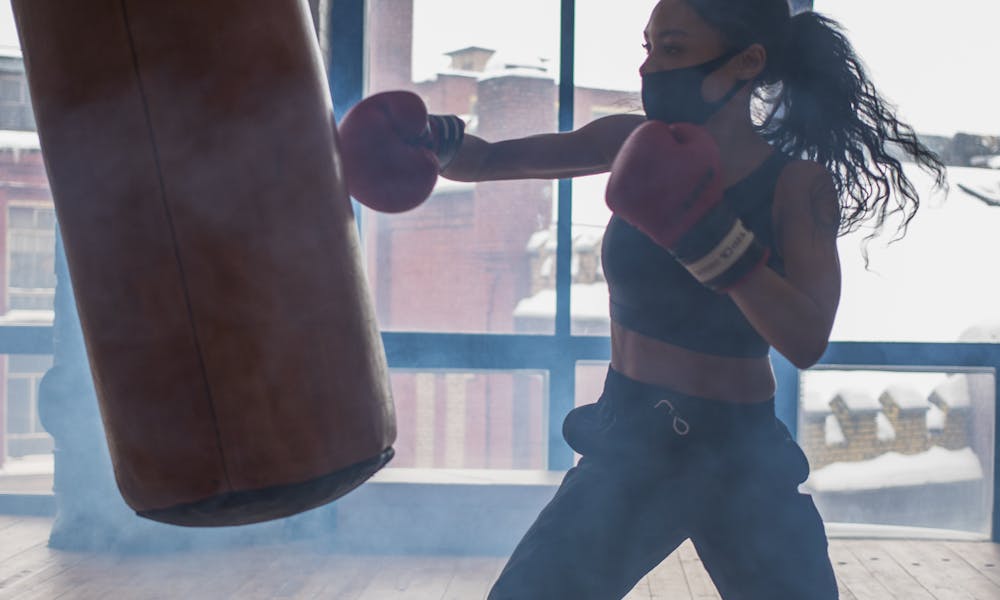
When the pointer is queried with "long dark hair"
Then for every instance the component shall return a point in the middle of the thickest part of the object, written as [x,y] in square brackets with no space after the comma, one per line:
[820,104]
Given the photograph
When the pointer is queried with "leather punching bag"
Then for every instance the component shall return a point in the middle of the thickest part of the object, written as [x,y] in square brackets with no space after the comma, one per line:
[213,252]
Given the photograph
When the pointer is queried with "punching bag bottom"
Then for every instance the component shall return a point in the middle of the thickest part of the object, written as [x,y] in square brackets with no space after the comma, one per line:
[254,506]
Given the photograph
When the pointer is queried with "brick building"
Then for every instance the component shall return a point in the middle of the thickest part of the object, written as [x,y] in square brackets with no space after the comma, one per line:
[27,273]
[854,425]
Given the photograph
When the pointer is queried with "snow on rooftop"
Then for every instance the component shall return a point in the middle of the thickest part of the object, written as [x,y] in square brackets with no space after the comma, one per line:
[27,317]
[954,392]
[19,140]
[935,418]
[892,469]
[32,464]
[885,431]
[814,401]
[589,301]
[832,432]
[858,400]
[585,237]
[827,382]
[505,64]
[982,332]
[905,397]
[449,186]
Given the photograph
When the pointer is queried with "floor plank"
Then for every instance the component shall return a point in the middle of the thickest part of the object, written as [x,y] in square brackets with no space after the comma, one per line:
[921,565]
[699,583]
[884,569]
[640,591]
[473,578]
[983,556]
[855,576]
[667,581]
[968,577]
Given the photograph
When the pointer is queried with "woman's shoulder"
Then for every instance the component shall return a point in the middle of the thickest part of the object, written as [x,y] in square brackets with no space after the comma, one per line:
[801,177]
[806,188]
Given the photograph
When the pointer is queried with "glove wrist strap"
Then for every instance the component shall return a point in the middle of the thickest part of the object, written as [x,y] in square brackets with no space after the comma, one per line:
[446,133]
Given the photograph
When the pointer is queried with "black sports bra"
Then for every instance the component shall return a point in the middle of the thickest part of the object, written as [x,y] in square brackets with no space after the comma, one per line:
[652,294]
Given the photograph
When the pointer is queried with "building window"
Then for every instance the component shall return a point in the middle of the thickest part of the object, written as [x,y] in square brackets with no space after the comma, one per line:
[25,435]
[31,249]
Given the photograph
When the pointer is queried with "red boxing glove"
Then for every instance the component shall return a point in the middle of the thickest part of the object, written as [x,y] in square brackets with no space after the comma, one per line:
[667,182]
[393,150]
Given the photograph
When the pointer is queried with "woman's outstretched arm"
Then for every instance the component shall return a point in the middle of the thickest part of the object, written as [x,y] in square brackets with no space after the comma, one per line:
[584,151]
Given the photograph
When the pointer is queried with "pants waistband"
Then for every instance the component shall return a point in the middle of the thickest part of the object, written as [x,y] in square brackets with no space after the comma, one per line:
[691,414]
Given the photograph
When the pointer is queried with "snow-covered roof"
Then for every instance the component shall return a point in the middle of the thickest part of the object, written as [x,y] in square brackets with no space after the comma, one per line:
[27,317]
[585,237]
[953,392]
[935,418]
[814,401]
[448,186]
[892,469]
[10,52]
[19,140]
[32,464]
[589,301]
[832,432]
[991,161]
[988,332]
[858,400]
[905,397]
[884,429]
[506,64]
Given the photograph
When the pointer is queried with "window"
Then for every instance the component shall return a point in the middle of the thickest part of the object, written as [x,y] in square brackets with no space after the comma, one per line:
[31,240]
[465,260]
[924,288]
[900,448]
[25,436]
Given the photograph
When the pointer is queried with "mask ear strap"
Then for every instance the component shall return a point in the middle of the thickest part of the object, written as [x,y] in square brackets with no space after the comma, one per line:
[715,65]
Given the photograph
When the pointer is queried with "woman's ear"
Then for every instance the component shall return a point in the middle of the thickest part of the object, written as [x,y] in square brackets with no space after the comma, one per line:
[751,62]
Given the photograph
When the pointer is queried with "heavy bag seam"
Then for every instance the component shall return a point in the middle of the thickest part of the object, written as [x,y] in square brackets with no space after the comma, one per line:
[173,236]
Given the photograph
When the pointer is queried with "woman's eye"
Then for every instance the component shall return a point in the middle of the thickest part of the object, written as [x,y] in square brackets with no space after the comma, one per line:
[646,47]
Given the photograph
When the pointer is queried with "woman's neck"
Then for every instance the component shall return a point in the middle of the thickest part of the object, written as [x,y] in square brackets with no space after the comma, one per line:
[741,147]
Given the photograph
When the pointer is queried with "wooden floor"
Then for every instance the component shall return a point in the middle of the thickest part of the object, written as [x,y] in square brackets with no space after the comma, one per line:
[866,570]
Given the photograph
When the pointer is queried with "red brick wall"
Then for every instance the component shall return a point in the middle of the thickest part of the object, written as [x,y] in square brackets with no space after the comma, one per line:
[22,179]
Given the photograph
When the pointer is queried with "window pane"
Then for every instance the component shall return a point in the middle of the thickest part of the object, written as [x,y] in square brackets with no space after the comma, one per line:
[471,420]
[461,261]
[31,240]
[590,376]
[930,286]
[608,54]
[910,449]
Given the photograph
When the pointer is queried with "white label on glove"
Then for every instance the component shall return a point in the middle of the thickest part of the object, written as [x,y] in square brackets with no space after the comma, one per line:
[724,255]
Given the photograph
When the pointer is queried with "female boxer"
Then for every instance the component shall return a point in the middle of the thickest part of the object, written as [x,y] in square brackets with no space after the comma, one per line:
[722,244]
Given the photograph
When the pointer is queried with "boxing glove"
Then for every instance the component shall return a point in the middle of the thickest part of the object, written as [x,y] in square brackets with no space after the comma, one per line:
[667,182]
[392,150]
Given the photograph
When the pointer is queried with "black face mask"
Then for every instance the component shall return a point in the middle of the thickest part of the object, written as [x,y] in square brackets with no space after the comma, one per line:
[674,95]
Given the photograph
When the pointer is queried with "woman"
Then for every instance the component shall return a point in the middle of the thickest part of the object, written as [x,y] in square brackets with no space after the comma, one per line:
[683,442]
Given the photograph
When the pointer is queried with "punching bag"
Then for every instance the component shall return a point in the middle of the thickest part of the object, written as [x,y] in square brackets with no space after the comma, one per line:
[213,252]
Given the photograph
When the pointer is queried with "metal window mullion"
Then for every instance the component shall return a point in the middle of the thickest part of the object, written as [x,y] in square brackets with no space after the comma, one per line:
[562,381]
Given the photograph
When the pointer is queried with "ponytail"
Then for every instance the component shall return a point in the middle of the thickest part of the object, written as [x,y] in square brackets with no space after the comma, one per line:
[820,104]
[828,110]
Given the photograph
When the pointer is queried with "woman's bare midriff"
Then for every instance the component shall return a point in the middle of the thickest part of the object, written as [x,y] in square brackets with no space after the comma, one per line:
[744,380]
